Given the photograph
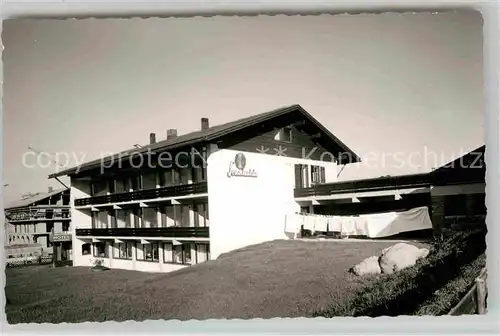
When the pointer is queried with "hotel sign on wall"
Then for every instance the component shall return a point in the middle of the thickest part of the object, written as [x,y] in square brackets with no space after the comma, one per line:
[60,237]
[237,167]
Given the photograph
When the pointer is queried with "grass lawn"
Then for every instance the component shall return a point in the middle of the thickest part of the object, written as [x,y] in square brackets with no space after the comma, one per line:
[274,279]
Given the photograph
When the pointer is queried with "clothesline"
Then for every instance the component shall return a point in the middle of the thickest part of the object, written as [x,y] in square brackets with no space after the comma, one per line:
[371,225]
[325,223]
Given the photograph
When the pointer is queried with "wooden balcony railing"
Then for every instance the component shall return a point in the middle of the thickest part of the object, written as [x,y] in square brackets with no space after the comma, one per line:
[376,184]
[38,215]
[180,190]
[173,231]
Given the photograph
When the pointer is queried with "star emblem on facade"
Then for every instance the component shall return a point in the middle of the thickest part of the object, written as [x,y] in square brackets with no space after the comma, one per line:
[262,149]
[280,151]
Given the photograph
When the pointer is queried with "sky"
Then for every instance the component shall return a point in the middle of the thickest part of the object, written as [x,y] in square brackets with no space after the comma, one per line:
[404,91]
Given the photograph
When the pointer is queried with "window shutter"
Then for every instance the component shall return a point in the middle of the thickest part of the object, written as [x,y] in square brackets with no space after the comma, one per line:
[298,176]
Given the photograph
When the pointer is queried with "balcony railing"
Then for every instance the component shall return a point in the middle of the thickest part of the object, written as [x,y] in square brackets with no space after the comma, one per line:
[37,215]
[180,190]
[377,184]
[173,231]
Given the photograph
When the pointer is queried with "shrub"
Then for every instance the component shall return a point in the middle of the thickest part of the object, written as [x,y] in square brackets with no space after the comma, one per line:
[450,295]
[403,292]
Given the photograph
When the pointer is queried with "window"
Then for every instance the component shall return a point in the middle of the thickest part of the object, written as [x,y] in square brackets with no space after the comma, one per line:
[66,199]
[199,173]
[168,218]
[167,178]
[136,182]
[122,185]
[178,215]
[201,215]
[285,134]
[317,174]
[95,220]
[112,186]
[123,218]
[202,253]
[149,218]
[186,220]
[123,251]
[176,176]
[112,217]
[101,219]
[65,227]
[177,254]
[455,205]
[137,216]
[147,252]
[99,188]
[100,250]
[149,180]
[184,175]
[85,249]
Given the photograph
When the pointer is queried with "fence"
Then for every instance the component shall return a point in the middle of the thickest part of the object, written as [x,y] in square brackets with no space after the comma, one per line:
[17,263]
[474,302]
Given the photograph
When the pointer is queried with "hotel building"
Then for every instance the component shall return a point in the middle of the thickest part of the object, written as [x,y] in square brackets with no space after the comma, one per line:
[38,221]
[192,197]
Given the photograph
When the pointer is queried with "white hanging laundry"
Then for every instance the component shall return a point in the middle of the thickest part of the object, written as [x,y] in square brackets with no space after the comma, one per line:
[309,223]
[321,224]
[391,223]
[361,226]
[293,222]
[348,226]
[334,224]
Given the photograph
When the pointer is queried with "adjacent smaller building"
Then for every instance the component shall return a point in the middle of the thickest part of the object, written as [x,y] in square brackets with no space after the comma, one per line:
[36,222]
[453,193]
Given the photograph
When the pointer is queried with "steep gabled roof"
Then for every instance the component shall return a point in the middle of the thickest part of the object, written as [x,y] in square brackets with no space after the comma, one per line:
[470,160]
[33,199]
[212,134]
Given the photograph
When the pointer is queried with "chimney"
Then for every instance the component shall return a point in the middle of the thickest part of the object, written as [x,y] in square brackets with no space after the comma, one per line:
[171,133]
[152,138]
[204,123]
[51,189]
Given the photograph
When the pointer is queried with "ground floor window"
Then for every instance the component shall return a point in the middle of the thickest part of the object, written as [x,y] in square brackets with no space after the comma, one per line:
[100,250]
[123,251]
[86,249]
[202,253]
[147,252]
[177,254]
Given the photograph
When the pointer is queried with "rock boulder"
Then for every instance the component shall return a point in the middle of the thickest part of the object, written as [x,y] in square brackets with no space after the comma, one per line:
[400,256]
[368,266]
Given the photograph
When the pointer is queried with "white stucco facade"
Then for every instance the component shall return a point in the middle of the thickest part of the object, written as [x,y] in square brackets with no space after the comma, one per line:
[246,210]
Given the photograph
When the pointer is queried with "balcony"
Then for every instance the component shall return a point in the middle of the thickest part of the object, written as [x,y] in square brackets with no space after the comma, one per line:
[376,184]
[32,215]
[173,231]
[140,195]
